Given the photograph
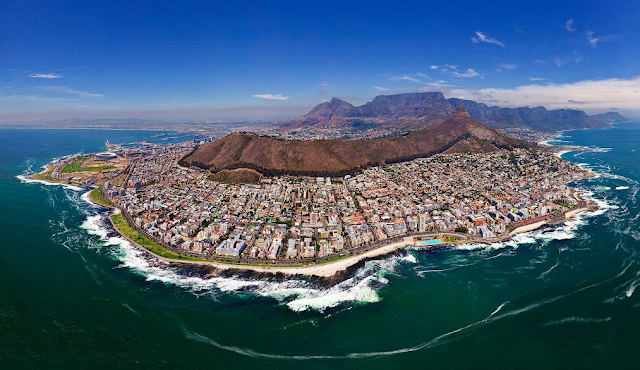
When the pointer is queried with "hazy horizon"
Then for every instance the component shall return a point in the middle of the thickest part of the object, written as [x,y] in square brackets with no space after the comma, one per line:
[257,61]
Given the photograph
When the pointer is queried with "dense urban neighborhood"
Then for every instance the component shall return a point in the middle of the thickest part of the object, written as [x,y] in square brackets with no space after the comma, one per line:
[286,219]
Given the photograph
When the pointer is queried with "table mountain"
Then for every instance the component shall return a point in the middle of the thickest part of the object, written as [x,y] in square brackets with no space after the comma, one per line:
[414,111]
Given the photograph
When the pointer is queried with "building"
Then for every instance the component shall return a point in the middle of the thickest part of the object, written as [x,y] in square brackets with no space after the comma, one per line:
[106,156]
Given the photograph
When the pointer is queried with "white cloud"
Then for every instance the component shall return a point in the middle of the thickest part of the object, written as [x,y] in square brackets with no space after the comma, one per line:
[566,59]
[271,96]
[46,75]
[423,75]
[569,25]
[70,91]
[379,88]
[506,67]
[484,38]
[403,78]
[434,67]
[593,95]
[469,73]
[595,40]
[536,79]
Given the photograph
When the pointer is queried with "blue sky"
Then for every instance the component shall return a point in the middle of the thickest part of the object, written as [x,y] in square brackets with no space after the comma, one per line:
[225,59]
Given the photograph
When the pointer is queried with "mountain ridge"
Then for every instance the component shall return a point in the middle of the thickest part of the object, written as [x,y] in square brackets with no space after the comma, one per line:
[412,111]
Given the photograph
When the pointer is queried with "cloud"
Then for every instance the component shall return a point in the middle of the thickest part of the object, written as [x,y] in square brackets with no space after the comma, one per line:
[566,59]
[271,96]
[484,38]
[70,91]
[569,25]
[506,67]
[595,40]
[536,79]
[403,78]
[594,95]
[453,69]
[46,75]
[423,75]
[379,88]
[469,73]
[434,67]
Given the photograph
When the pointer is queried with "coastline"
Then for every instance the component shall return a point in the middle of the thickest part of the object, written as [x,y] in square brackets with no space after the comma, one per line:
[332,269]
[325,270]
[329,270]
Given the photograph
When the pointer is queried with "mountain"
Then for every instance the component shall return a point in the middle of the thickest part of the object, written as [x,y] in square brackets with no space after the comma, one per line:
[413,111]
[401,111]
[610,117]
[538,118]
[271,156]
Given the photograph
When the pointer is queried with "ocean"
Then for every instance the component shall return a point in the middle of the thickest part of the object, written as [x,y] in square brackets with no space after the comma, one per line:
[76,295]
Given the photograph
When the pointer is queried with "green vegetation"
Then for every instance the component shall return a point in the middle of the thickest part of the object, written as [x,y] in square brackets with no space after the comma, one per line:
[461,229]
[563,204]
[75,165]
[289,223]
[96,169]
[451,239]
[336,258]
[96,197]
[120,222]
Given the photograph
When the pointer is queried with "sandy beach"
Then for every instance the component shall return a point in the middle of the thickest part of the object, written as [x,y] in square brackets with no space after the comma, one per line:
[527,228]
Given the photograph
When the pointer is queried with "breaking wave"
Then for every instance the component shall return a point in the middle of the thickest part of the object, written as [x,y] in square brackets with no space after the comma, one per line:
[25,177]
[297,294]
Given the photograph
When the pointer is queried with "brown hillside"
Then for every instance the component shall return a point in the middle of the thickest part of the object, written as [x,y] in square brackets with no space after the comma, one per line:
[270,156]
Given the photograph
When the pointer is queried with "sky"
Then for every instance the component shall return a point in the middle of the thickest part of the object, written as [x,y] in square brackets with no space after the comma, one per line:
[274,59]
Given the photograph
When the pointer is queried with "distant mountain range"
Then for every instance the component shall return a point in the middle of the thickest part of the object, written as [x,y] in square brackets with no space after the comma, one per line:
[271,156]
[413,111]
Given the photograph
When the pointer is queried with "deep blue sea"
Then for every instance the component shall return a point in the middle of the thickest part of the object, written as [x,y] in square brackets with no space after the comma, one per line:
[74,295]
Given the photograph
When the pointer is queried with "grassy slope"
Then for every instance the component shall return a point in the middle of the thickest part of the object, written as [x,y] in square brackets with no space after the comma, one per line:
[96,196]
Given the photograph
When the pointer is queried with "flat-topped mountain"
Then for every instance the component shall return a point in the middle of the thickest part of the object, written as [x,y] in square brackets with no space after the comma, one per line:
[270,156]
[402,111]
[414,111]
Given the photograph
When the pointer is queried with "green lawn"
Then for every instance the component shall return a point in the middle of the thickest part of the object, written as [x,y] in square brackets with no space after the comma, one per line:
[76,166]
[335,258]
[96,196]
[96,169]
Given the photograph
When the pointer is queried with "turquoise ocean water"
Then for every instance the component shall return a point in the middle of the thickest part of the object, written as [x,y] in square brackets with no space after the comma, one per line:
[75,295]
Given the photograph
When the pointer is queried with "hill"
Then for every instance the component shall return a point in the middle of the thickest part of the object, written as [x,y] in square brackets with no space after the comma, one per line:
[414,111]
[610,117]
[270,156]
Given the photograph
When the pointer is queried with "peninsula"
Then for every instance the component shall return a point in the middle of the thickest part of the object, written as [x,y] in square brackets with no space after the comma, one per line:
[248,202]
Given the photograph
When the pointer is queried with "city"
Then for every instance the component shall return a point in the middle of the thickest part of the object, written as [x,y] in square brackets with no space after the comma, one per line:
[446,198]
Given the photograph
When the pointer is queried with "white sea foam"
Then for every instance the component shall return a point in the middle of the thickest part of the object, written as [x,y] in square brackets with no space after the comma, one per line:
[25,179]
[576,319]
[622,187]
[298,295]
